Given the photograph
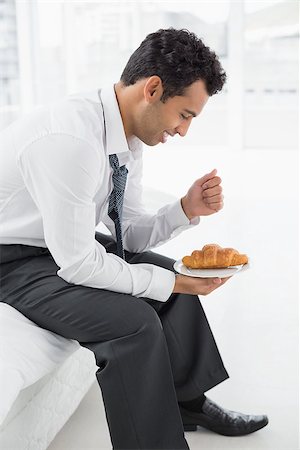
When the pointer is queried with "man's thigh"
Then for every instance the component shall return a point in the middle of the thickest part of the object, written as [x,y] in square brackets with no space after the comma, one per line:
[31,285]
[29,282]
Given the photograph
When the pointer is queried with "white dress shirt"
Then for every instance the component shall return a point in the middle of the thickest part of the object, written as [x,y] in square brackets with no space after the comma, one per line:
[55,183]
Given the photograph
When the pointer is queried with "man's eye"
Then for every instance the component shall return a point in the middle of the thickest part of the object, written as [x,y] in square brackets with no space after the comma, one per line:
[183,116]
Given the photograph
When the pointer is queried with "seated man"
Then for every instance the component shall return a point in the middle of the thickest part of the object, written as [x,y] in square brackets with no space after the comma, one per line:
[65,168]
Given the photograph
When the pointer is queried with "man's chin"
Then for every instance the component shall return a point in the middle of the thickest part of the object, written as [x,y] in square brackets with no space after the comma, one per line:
[150,143]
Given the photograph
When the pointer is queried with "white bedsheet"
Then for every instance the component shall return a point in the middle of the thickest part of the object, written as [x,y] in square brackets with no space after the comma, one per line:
[42,409]
[27,353]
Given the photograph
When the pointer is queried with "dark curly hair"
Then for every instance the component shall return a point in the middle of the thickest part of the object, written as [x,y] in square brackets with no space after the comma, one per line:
[179,58]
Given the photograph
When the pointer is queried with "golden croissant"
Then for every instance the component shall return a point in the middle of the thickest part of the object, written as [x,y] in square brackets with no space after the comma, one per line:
[213,256]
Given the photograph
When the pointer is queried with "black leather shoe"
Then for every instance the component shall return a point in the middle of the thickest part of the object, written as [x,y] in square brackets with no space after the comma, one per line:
[221,420]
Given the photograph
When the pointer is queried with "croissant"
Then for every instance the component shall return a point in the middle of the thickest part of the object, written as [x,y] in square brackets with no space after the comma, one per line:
[213,256]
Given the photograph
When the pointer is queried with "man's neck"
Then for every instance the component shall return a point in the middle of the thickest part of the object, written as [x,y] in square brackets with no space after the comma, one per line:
[121,99]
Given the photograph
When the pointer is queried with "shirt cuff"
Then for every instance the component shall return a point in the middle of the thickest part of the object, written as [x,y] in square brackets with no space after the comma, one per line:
[162,282]
[178,217]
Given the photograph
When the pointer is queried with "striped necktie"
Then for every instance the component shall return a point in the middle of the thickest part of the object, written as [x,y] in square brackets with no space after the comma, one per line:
[115,206]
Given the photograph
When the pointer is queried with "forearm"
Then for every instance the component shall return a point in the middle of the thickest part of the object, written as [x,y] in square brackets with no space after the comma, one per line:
[102,270]
[147,231]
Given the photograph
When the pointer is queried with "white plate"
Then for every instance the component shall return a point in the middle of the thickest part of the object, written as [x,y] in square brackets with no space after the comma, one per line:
[209,273]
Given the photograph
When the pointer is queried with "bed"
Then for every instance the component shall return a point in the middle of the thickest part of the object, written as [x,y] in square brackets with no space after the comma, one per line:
[41,387]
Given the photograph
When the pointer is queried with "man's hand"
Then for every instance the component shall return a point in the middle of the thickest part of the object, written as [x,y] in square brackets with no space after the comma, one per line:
[197,286]
[204,196]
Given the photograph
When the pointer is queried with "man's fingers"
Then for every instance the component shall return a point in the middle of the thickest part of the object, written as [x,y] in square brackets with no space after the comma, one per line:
[206,177]
[214,199]
[217,190]
[215,181]
[216,206]
[209,175]
[225,279]
[219,281]
[207,285]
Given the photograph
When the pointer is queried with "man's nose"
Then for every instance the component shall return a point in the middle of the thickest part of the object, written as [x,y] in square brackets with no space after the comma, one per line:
[182,129]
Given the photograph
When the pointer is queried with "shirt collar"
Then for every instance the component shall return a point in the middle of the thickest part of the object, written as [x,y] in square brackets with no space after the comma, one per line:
[116,141]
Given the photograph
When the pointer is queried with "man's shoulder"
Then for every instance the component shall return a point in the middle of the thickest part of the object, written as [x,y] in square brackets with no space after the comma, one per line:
[77,115]
[78,105]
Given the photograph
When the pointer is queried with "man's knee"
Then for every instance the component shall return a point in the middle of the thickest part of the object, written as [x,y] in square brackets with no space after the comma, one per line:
[145,316]
[142,327]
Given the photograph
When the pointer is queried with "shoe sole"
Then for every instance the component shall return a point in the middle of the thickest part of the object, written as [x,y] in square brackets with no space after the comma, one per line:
[193,427]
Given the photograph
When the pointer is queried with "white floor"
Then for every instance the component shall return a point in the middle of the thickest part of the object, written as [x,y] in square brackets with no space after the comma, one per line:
[254,316]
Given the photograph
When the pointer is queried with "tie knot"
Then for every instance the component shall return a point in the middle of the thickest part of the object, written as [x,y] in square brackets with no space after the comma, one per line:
[114,162]
[119,173]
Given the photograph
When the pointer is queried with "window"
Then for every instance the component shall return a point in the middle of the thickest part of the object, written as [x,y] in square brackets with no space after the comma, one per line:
[271,74]
[50,49]
[9,62]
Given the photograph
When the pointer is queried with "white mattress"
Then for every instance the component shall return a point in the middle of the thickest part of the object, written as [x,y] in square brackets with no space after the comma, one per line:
[42,409]
[27,354]
[25,396]
[43,378]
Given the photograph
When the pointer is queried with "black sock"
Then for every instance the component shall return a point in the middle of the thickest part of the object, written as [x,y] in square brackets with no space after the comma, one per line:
[195,404]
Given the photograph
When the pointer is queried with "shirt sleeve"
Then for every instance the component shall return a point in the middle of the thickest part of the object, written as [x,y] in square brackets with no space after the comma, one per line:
[143,231]
[61,173]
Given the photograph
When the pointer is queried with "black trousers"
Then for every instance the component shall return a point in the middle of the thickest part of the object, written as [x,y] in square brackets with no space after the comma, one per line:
[149,354]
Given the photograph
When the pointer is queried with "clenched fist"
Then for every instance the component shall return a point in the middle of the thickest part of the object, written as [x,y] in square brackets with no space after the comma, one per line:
[204,197]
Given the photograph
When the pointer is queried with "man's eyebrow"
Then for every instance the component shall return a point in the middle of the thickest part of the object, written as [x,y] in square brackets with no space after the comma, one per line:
[191,112]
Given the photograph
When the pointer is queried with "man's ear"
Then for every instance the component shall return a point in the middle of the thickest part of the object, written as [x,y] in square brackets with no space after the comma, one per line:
[153,88]
[152,91]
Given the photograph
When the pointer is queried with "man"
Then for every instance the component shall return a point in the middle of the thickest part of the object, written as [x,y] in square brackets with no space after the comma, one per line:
[65,168]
